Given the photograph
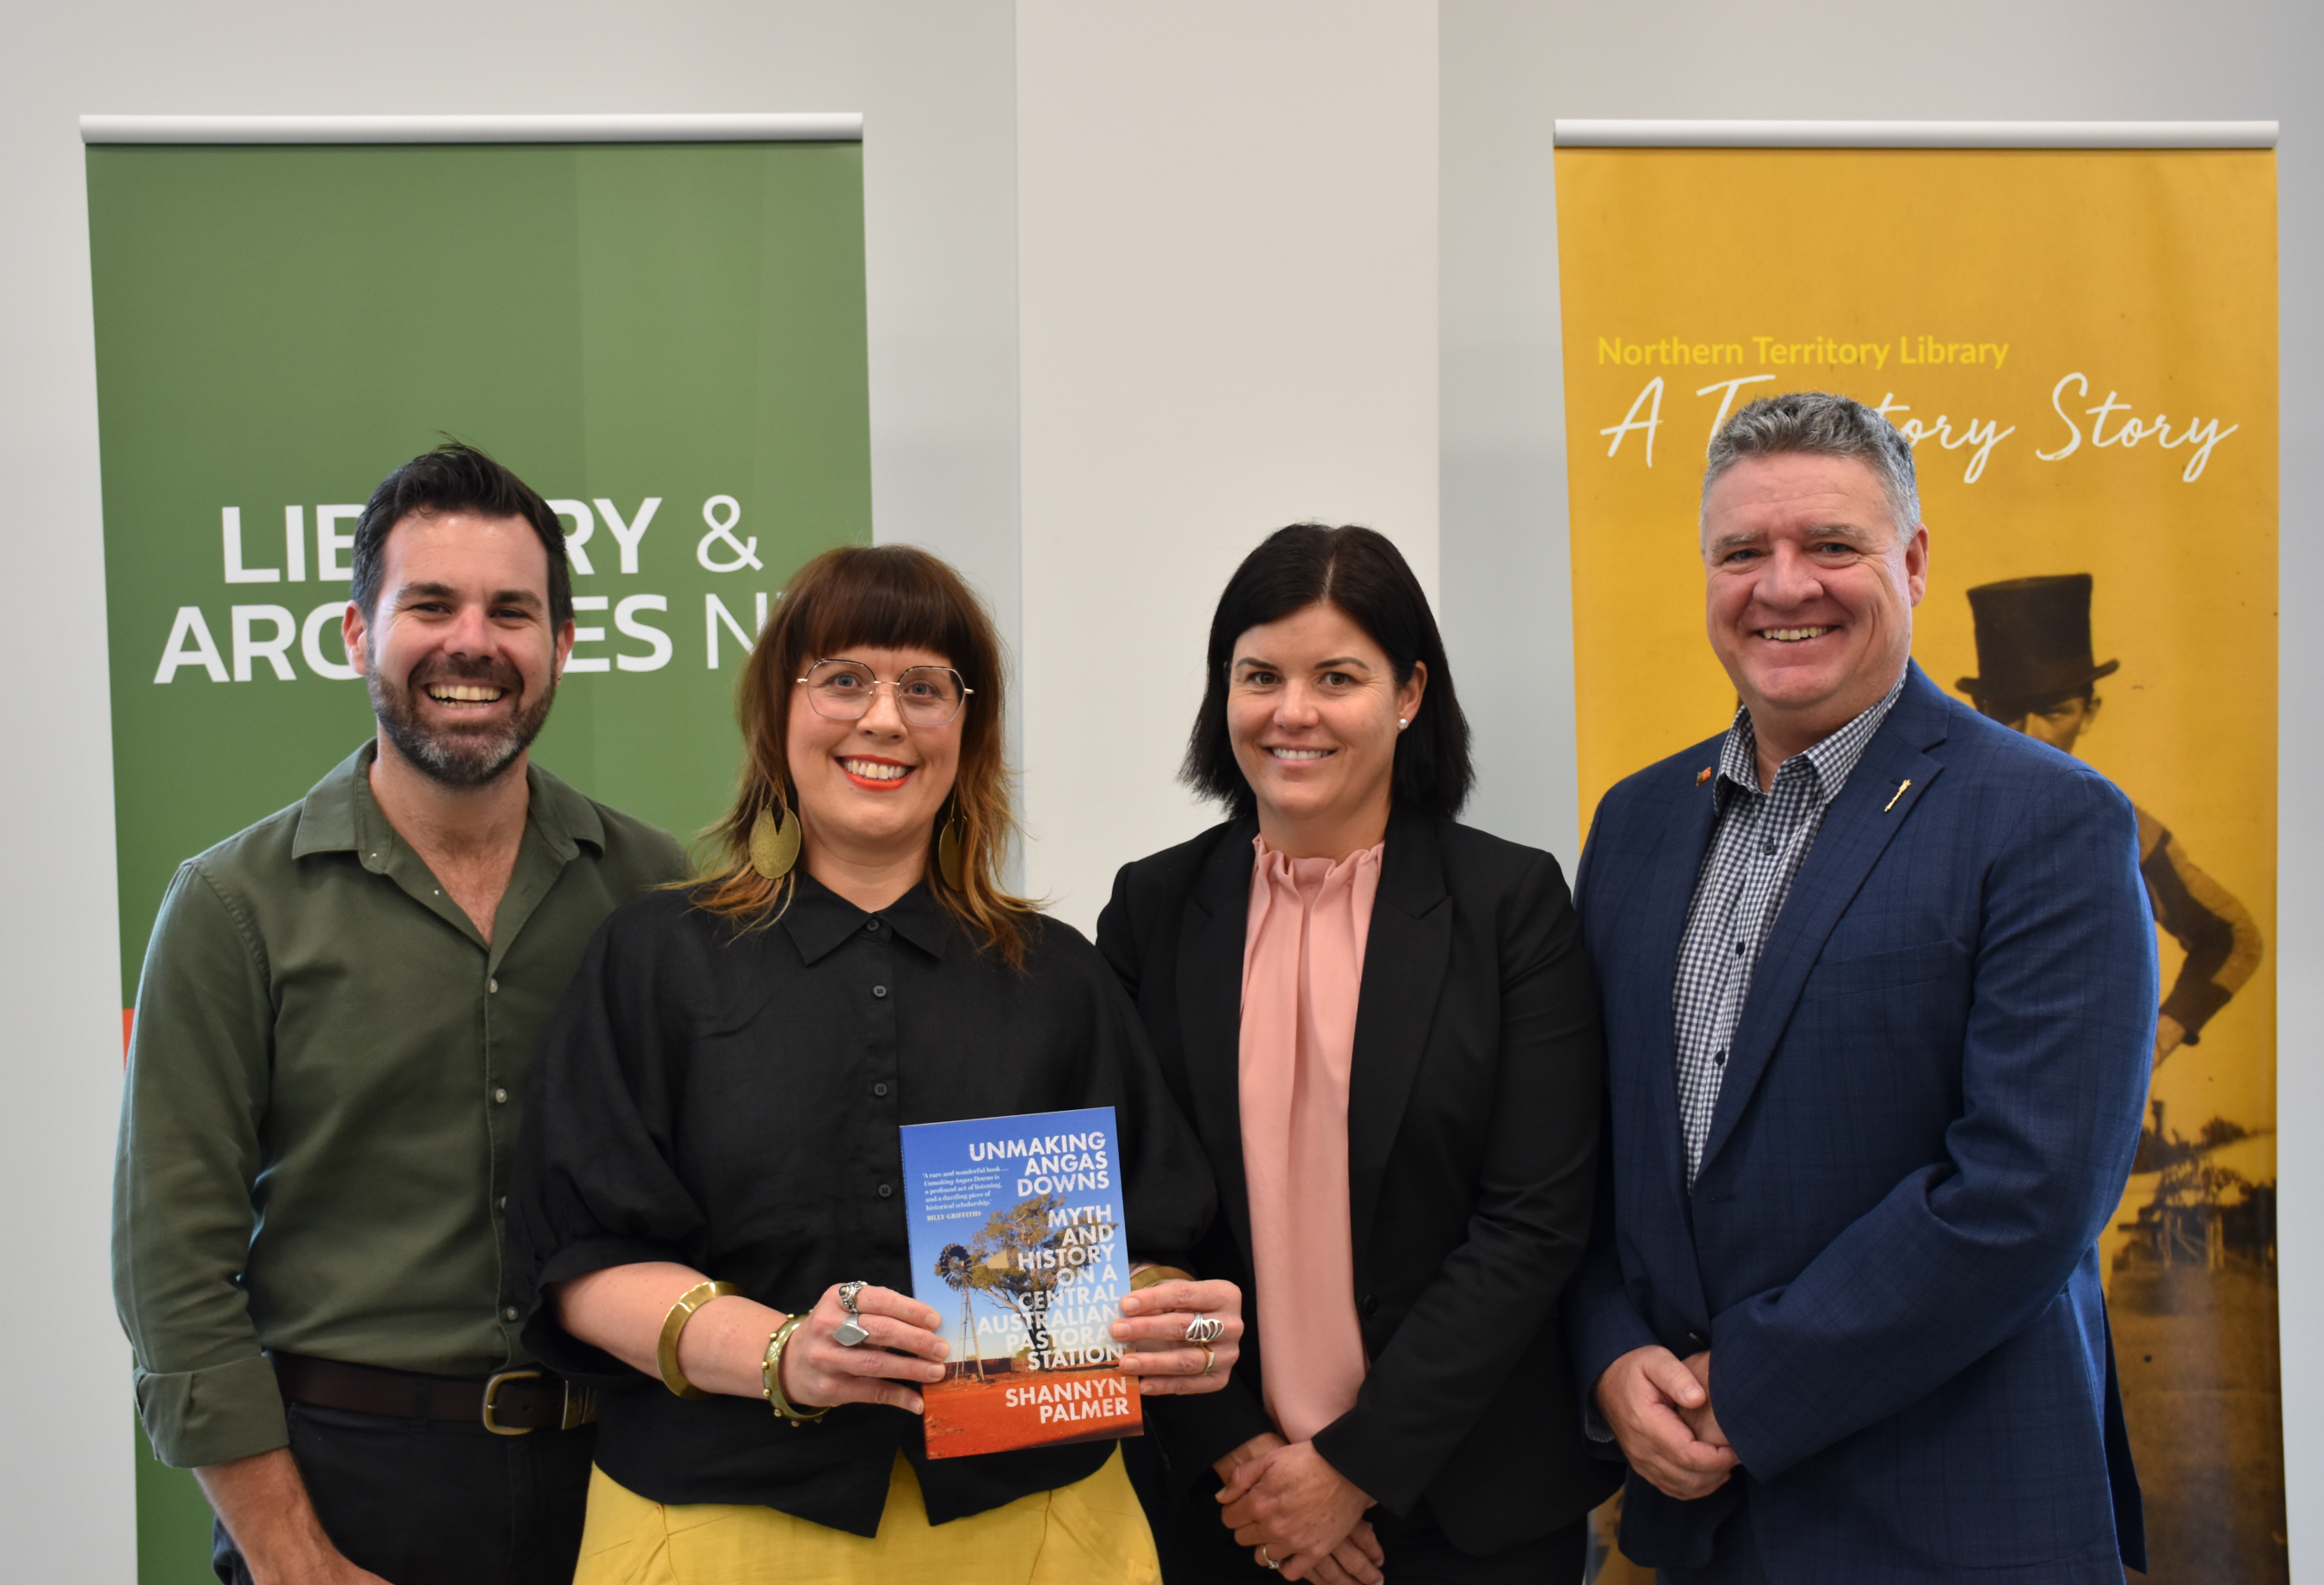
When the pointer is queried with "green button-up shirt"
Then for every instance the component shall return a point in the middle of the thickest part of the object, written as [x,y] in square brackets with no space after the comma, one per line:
[327,1073]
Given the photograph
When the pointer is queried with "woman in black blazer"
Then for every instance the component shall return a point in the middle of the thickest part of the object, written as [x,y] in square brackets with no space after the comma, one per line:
[1471,1090]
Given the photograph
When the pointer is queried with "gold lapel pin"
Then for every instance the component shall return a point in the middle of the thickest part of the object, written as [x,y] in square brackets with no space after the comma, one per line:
[1702,775]
[1895,795]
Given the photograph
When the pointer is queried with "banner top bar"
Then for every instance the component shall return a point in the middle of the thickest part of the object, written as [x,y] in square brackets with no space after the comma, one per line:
[1915,135]
[828,126]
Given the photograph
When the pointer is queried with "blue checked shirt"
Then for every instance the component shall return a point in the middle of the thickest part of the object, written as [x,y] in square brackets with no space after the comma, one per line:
[1758,841]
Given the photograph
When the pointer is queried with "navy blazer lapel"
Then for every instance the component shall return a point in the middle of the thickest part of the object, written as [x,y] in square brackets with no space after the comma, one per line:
[1405,950]
[1211,937]
[1858,827]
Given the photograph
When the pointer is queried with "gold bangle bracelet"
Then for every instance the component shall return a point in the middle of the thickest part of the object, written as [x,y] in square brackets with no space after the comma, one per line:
[1158,1274]
[674,1323]
[770,1376]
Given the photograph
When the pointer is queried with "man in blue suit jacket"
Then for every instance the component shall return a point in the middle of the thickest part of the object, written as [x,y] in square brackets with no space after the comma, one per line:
[1879,985]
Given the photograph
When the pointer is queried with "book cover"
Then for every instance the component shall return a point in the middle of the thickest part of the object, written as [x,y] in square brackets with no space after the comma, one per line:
[1016,1240]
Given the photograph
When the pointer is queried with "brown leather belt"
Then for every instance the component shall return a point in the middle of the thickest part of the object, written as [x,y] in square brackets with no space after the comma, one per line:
[511,1404]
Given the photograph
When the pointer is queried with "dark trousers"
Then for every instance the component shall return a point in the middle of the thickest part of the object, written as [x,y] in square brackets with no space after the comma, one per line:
[437,1502]
[1197,1549]
[1734,1554]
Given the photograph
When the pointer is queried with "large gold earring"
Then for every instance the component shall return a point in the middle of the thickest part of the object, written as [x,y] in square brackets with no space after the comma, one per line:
[952,851]
[774,843]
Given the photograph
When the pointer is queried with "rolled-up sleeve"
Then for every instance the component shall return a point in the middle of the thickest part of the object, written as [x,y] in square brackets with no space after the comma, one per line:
[594,1184]
[188,1154]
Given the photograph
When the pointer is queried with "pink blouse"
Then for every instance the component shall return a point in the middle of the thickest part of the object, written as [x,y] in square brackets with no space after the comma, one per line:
[1303,967]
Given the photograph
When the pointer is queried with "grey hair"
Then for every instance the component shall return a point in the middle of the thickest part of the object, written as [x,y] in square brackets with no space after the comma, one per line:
[1816,423]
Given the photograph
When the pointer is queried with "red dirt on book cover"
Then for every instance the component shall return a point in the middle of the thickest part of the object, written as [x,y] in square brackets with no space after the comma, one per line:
[1028,1408]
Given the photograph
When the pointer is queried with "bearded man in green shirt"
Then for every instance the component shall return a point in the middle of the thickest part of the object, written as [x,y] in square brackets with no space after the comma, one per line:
[337,1014]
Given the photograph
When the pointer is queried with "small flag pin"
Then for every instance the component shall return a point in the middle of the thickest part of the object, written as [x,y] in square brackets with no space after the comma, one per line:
[1895,795]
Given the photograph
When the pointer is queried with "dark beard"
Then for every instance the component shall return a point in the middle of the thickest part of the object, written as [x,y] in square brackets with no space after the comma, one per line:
[456,758]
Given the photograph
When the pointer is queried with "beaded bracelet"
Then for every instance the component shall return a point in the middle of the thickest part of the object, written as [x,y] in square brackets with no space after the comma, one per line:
[770,1375]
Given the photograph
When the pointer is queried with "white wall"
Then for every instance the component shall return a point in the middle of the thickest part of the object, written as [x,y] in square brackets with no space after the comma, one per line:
[1504,610]
[1228,266]
[1511,66]
[935,80]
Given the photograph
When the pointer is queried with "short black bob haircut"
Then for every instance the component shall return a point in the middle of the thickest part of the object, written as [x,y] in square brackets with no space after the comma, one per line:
[456,477]
[1363,575]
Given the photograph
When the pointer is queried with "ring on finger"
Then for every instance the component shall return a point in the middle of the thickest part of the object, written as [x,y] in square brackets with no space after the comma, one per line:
[1205,1329]
[1268,1558]
[1209,1359]
[852,1330]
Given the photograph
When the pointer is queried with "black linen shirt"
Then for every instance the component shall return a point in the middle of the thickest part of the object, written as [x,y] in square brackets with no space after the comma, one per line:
[730,1100]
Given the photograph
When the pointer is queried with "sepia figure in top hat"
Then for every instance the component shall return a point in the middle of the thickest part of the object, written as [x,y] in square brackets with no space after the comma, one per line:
[2035,673]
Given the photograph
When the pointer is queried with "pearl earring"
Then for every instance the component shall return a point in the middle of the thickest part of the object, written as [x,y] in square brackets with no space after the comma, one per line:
[1401,723]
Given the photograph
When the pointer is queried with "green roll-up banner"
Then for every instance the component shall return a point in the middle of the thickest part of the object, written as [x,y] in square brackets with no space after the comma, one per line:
[666,338]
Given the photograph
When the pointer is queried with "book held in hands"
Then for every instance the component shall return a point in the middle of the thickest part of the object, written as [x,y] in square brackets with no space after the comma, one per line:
[1016,1241]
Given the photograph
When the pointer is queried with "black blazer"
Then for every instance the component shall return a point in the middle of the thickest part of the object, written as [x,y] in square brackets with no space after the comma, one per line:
[1473,1114]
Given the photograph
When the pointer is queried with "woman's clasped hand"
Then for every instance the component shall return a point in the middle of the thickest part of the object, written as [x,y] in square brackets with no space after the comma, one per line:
[1298,1514]
[1163,1328]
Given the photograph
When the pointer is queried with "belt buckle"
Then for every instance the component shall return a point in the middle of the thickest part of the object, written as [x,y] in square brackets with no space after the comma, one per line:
[580,1406]
[491,1390]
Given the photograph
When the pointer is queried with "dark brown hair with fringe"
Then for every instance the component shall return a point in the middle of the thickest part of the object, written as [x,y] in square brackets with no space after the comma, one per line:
[889,597]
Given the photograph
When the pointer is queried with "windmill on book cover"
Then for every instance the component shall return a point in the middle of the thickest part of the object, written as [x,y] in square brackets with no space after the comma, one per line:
[956,1268]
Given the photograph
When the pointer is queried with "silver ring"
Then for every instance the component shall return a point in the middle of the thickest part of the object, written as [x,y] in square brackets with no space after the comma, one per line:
[850,1331]
[1268,1558]
[1205,1329]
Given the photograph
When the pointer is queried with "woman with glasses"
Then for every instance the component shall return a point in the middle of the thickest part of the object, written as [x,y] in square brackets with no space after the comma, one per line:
[1384,1029]
[709,1191]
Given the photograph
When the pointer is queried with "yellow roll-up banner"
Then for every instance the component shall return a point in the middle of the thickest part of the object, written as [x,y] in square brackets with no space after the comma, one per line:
[2081,344]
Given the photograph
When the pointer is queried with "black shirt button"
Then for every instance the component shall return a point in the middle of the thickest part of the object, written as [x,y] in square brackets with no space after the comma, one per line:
[887,1191]
[1719,1059]
[1371,1306]
[881,1087]
[1738,949]
[883,990]
[872,925]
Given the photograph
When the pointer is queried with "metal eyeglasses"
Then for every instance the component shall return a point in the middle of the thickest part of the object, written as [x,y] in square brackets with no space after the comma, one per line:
[925,695]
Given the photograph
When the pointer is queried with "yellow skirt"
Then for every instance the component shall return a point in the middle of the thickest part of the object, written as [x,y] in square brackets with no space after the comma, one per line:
[1090,1533]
